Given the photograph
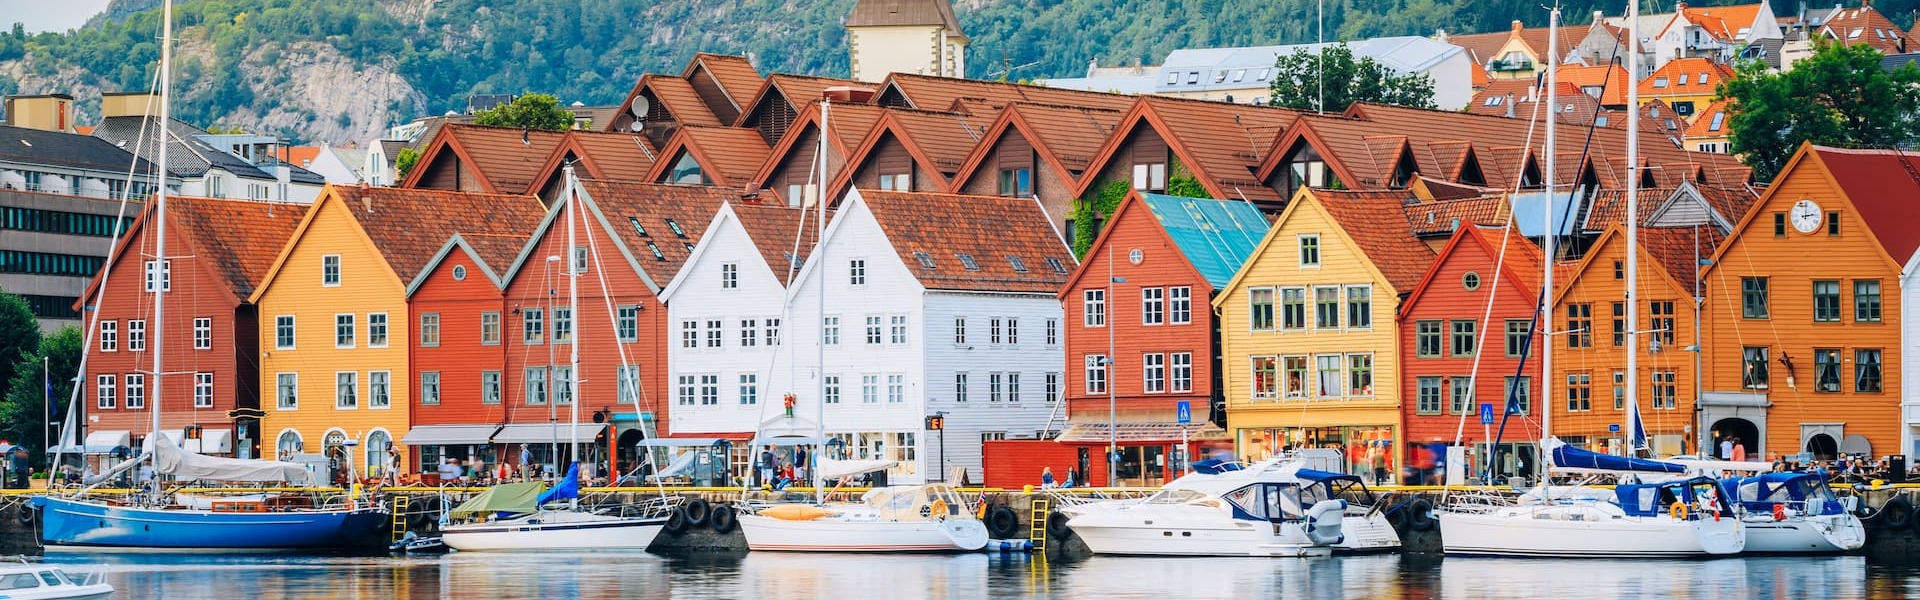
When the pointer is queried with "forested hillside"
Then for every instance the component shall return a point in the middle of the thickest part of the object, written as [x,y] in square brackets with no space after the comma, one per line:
[345,69]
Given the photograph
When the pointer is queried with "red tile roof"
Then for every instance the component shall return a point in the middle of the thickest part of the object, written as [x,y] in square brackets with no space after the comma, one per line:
[302,156]
[1865,25]
[1884,186]
[1679,249]
[1441,218]
[1705,125]
[1065,136]
[928,92]
[736,75]
[848,128]
[1389,244]
[1611,78]
[678,97]
[1609,206]
[729,156]
[495,251]
[939,141]
[798,91]
[410,226]
[988,229]
[774,230]
[1220,143]
[673,217]
[1682,76]
[507,159]
[600,155]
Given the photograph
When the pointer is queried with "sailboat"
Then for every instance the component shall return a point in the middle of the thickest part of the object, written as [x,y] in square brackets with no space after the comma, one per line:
[527,524]
[159,520]
[917,518]
[1673,516]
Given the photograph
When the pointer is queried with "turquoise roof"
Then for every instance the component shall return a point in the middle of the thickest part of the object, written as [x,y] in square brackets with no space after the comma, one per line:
[1217,236]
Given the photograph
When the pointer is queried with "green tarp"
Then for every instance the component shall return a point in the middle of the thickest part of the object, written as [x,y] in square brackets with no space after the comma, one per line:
[507,498]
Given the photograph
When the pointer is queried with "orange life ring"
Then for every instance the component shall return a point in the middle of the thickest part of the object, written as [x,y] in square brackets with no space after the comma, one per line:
[938,508]
[1678,510]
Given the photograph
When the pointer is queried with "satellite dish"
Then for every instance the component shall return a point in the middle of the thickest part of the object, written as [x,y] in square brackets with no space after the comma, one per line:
[640,107]
[635,126]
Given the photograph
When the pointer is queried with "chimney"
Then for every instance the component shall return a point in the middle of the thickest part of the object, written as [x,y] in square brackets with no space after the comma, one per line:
[1517,26]
[129,104]
[1510,105]
[49,112]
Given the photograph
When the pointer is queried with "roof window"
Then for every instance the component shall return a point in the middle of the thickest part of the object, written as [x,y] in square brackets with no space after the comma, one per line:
[677,231]
[1495,100]
[657,255]
[966,260]
[926,260]
[1659,82]
[1019,266]
[1056,265]
[637,227]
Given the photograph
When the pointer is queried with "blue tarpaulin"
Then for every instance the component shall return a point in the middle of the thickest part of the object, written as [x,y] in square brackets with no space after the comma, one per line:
[1571,457]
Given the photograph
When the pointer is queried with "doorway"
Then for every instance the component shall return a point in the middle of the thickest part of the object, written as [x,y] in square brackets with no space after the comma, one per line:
[1823,447]
[1730,429]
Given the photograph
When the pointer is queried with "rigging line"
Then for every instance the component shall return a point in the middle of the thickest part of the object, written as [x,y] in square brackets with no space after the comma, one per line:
[639,391]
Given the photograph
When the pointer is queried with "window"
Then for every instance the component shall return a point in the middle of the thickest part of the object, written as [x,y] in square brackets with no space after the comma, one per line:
[1833,223]
[1293,308]
[1094,307]
[1426,395]
[830,330]
[1150,177]
[689,334]
[1359,306]
[1053,387]
[869,389]
[687,390]
[1779,224]
[1579,391]
[896,389]
[536,378]
[994,380]
[1053,332]
[749,388]
[1152,306]
[1660,315]
[1360,375]
[346,390]
[873,331]
[203,333]
[533,323]
[1665,390]
[960,387]
[110,335]
[1180,305]
[287,391]
[489,387]
[897,182]
[1580,325]
[563,385]
[993,331]
[1326,368]
[1013,331]
[1260,309]
[1753,297]
[710,390]
[376,330]
[833,389]
[1294,371]
[1826,301]
[379,389]
[749,333]
[429,388]
[1463,338]
[429,329]
[1619,324]
[330,270]
[136,391]
[1517,331]
[562,324]
[1326,308]
[1866,300]
[165,275]
[966,261]
[1265,378]
[490,328]
[1426,339]
[1518,391]
[714,331]
[729,276]
[1016,182]
[897,329]
[628,322]
[106,390]
[629,379]
[343,331]
[203,390]
[136,335]
[1309,250]
[1619,390]
[1153,367]
[857,272]
[1753,373]
[773,331]
[1096,379]
[1013,387]
[1866,372]
[1182,372]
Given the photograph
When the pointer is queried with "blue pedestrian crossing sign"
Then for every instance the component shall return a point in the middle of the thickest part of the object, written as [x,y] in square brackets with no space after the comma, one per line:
[1184,412]
[1486,413]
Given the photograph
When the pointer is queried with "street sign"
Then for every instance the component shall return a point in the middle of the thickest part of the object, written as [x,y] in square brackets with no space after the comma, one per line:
[936,423]
[1486,413]
[1185,412]
[1613,428]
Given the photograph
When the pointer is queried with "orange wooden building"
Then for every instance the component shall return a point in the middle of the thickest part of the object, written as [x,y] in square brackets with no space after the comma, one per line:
[459,352]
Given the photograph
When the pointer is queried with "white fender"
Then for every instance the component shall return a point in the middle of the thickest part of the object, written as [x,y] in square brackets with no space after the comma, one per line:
[1324,521]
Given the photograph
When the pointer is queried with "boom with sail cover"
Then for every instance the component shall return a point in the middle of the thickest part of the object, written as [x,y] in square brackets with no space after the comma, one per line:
[1569,457]
[170,459]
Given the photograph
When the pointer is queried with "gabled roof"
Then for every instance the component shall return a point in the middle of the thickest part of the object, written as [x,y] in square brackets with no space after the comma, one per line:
[1208,138]
[783,235]
[1065,136]
[880,13]
[1679,249]
[491,252]
[1388,243]
[189,155]
[1216,236]
[1520,264]
[1446,217]
[1683,76]
[653,225]
[928,92]
[600,155]
[728,156]
[505,160]
[848,125]
[1483,47]
[1884,187]
[237,239]
[797,91]
[939,142]
[22,145]
[1612,78]
[990,230]
[409,226]
[1865,25]
[1711,122]
[735,74]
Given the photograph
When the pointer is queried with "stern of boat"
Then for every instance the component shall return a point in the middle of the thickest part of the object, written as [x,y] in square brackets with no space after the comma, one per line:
[1719,535]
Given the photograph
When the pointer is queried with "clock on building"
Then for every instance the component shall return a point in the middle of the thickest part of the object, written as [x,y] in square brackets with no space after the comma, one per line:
[1805,216]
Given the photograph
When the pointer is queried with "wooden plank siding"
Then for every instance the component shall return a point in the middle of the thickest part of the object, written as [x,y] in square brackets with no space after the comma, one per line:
[1012,150]
[459,357]
[1143,145]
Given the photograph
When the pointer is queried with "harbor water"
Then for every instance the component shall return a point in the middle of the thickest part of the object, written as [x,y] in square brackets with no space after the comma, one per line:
[791,576]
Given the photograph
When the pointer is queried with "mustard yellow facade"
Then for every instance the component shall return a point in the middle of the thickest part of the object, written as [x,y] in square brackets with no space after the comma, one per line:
[1308,345]
[334,333]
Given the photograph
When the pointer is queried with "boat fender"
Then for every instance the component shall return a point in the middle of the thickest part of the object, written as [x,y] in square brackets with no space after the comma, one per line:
[1057,525]
[1420,515]
[676,522]
[1898,512]
[1324,521]
[697,511]
[1678,510]
[1003,522]
[722,519]
[27,514]
[1779,512]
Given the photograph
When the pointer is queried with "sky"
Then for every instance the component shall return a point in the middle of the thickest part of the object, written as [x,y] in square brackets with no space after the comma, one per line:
[49,15]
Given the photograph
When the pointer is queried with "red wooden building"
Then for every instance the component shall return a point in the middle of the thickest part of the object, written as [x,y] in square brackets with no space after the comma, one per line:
[459,352]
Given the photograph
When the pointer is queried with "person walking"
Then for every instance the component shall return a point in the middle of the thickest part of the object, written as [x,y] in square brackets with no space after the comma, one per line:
[526,462]
[1726,447]
[1739,452]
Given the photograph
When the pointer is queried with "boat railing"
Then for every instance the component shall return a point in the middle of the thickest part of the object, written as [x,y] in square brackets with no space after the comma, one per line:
[1477,501]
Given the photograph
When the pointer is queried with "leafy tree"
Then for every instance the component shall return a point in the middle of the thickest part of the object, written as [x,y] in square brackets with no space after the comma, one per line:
[404,161]
[19,334]
[23,412]
[534,111]
[1298,77]
[1838,97]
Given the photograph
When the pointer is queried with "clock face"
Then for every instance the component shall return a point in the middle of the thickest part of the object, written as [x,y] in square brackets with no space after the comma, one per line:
[1805,216]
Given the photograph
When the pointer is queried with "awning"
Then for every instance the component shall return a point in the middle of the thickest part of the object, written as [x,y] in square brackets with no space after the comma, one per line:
[448,435]
[1856,444]
[690,442]
[546,434]
[103,442]
[212,441]
[1135,432]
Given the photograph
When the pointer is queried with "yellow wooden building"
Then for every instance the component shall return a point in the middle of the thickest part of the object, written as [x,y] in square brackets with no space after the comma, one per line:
[1309,348]
[334,326]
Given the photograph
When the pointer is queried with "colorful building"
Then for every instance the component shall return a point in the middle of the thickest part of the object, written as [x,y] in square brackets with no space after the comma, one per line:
[459,355]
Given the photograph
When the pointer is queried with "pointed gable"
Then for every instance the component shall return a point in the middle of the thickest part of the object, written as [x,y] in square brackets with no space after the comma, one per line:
[408,227]
[791,160]
[599,155]
[473,158]
[1388,244]
[784,236]
[776,107]
[1884,188]
[655,225]
[1220,144]
[929,92]
[722,156]
[724,83]
[938,144]
[238,239]
[1009,240]
[1066,137]
[1520,261]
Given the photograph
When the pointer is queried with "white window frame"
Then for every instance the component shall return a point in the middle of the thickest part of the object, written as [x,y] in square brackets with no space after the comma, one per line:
[1319,251]
[109,336]
[1153,373]
[1093,305]
[330,270]
[203,390]
[379,390]
[136,335]
[1153,306]
[1179,305]
[429,388]
[106,391]
[429,330]
[351,335]
[286,390]
[203,333]
[1181,368]
[346,394]
[379,327]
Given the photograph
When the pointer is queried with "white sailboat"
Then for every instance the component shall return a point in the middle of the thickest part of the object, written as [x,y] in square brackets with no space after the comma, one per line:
[918,518]
[1676,517]
[531,526]
[1276,507]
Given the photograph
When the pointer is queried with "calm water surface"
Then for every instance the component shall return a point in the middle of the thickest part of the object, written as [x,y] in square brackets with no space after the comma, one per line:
[843,577]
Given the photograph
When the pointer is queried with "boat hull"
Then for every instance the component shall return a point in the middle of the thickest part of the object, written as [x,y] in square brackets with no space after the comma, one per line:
[1552,531]
[553,533]
[1188,530]
[90,526]
[1367,533]
[835,535]
[1813,534]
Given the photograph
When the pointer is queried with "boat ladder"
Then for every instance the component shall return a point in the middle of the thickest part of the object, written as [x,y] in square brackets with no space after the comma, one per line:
[1037,523]
[400,502]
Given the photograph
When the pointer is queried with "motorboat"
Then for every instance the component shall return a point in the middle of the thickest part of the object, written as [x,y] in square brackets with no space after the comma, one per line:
[1793,513]
[1677,517]
[29,581]
[1276,507]
[513,517]
[915,518]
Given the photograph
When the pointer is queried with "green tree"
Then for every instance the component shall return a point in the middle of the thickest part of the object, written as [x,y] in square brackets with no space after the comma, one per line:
[23,412]
[403,162]
[530,110]
[1298,77]
[19,335]
[1838,97]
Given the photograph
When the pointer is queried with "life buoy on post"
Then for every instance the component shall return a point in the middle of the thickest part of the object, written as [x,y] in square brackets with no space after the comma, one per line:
[1678,509]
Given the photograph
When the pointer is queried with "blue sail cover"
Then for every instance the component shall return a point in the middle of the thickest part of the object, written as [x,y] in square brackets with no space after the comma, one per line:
[567,489]
[1571,457]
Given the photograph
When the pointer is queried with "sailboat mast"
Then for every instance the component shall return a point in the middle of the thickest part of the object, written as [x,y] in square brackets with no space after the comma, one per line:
[820,305]
[156,274]
[1547,235]
[573,311]
[1633,232]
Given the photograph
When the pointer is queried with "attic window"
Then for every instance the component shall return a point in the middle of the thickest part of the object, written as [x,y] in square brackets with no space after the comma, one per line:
[1600,120]
[637,227]
[1173,78]
[1719,118]
[1659,82]
[1239,75]
[1219,76]
[1653,111]
[1056,265]
[1264,73]
[1193,77]
[966,260]
[1855,33]
[1019,266]
[688,246]
[1703,78]
[677,231]
[657,255]
[1682,80]
[926,260]
[1495,100]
